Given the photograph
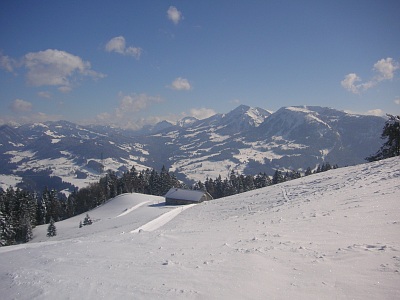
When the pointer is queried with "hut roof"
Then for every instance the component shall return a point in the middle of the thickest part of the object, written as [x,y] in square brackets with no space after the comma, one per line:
[181,194]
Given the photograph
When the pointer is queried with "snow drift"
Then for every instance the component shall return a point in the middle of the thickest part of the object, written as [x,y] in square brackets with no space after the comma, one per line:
[333,235]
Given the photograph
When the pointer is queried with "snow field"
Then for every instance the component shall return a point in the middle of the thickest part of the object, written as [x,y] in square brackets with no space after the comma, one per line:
[333,235]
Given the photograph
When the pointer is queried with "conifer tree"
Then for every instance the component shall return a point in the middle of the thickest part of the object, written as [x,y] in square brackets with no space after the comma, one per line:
[51,229]
[2,230]
[7,233]
[391,133]
[25,230]
[308,171]
[41,212]
[278,177]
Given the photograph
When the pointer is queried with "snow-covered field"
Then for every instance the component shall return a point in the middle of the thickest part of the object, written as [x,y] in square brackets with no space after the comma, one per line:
[334,235]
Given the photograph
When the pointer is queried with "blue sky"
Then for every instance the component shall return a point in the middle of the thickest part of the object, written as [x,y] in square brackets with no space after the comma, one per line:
[132,63]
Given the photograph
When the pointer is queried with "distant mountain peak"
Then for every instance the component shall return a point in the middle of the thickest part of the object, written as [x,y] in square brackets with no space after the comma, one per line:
[186,122]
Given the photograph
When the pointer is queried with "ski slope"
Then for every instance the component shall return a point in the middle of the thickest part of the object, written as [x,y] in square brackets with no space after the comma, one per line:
[333,235]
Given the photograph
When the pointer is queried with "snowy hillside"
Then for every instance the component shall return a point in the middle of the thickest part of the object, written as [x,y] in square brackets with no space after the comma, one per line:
[334,235]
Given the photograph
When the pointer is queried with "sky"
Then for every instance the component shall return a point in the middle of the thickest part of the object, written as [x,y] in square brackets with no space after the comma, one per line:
[131,63]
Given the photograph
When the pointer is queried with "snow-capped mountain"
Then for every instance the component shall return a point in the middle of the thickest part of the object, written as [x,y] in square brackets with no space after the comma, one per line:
[291,138]
[247,140]
[186,122]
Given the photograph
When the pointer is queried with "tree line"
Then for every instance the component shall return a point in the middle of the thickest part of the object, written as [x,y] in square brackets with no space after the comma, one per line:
[21,210]
[239,183]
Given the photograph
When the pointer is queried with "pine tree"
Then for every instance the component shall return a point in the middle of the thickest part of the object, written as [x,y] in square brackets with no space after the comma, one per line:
[25,230]
[41,212]
[391,132]
[54,207]
[219,192]
[70,209]
[2,230]
[51,229]
[165,181]
[278,177]
[7,233]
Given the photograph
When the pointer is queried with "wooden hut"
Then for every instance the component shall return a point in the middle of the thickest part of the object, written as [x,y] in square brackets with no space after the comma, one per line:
[180,196]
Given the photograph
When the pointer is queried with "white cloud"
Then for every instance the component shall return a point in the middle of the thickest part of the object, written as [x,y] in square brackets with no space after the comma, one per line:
[235,101]
[134,103]
[30,118]
[174,15]
[202,113]
[21,106]
[376,112]
[349,83]
[124,115]
[7,63]
[397,101]
[104,117]
[45,94]
[56,68]
[373,112]
[118,45]
[65,89]
[134,51]
[385,69]
[181,84]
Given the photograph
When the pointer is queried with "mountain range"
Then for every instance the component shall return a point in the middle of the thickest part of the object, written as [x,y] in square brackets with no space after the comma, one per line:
[245,140]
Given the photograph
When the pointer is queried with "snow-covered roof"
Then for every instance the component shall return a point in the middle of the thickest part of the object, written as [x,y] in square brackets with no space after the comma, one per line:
[181,194]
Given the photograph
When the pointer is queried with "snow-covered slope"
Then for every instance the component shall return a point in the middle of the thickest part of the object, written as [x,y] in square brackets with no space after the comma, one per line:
[334,235]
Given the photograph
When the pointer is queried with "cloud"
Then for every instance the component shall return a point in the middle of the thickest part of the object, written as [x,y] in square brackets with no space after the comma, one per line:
[376,112]
[30,118]
[56,68]
[174,15]
[118,45]
[124,114]
[7,63]
[202,113]
[180,84]
[235,101]
[373,112]
[44,94]
[65,89]
[349,83]
[397,101]
[21,106]
[134,103]
[385,69]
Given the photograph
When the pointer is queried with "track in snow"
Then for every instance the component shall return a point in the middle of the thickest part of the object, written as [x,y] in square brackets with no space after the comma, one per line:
[132,209]
[162,220]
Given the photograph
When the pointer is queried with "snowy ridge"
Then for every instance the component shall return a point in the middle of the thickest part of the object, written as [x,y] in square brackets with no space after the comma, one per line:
[334,235]
[247,140]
